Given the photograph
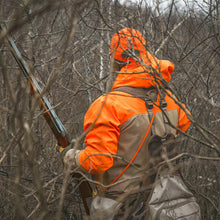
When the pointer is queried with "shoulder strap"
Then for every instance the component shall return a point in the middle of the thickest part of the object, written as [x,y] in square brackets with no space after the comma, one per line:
[140,146]
[148,95]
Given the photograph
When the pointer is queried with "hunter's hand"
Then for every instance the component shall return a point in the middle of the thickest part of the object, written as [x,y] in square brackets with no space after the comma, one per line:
[70,160]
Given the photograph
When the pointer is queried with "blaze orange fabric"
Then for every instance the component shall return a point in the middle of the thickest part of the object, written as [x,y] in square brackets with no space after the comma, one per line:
[101,141]
[105,116]
[125,39]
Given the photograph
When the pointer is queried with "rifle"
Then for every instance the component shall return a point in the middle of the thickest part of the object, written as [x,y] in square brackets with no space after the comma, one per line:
[49,114]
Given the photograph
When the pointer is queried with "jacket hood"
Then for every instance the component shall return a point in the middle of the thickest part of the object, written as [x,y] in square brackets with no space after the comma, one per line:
[126,39]
[147,71]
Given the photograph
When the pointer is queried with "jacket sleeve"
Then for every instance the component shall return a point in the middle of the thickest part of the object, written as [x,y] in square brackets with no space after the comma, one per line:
[183,122]
[103,127]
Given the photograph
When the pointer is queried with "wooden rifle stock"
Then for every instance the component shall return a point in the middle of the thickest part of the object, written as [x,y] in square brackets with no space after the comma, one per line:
[49,114]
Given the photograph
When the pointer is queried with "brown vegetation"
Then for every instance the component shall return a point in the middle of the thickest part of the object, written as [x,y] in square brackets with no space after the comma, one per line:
[66,46]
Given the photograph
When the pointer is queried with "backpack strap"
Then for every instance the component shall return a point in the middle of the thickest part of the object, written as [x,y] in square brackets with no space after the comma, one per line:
[140,146]
[149,95]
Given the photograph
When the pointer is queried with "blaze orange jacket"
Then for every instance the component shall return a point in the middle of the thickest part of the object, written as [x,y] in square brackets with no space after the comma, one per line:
[107,115]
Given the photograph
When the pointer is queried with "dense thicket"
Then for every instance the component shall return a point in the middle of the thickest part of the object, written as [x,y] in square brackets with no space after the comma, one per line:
[66,46]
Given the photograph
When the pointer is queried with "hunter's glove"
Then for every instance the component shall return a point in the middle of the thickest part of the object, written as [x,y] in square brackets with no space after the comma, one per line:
[69,156]
[71,160]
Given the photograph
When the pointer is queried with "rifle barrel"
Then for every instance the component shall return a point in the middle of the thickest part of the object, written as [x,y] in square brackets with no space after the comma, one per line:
[52,119]
[49,114]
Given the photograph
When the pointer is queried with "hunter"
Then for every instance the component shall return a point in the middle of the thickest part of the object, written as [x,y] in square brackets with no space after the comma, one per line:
[130,145]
